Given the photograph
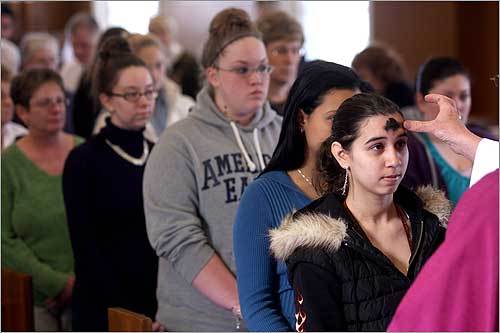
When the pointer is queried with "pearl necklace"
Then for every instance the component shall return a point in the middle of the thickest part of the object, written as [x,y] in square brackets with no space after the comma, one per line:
[304,176]
[135,161]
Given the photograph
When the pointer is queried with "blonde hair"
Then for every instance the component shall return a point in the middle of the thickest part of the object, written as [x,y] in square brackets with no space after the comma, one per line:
[137,42]
[162,24]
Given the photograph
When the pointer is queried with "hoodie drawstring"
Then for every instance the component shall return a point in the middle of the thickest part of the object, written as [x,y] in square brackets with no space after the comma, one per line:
[258,149]
[251,165]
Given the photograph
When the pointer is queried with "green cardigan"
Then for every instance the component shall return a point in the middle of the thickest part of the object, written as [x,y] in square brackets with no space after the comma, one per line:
[35,237]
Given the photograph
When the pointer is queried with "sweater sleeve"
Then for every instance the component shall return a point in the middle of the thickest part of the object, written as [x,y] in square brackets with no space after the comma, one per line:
[16,254]
[83,228]
[317,301]
[175,228]
[258,280]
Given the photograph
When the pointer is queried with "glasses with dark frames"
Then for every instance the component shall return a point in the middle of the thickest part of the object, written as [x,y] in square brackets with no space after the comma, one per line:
[134,96]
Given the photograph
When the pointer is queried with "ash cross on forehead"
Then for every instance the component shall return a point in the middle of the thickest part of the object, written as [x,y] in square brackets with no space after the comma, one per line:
[392,125]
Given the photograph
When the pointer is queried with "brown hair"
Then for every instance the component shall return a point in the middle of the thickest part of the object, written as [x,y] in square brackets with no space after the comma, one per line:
[114,56]
[24,85]
[279,25]
[226,27]
[382,61]
[5,74]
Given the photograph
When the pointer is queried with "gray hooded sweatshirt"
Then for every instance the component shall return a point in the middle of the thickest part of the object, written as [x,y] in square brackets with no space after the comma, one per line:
[193,182]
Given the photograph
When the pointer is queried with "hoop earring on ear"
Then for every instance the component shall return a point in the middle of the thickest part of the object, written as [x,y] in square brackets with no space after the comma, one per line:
[346,180]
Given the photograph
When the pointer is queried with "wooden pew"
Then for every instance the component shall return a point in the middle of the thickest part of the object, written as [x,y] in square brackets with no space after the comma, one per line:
[17,301]
[122,320]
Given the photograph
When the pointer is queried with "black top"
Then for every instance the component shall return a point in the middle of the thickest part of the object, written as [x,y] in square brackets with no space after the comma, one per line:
[278,107]
[114,262]
[85,107]
[355,287]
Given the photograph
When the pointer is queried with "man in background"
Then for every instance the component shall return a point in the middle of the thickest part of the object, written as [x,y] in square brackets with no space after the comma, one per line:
[82,32]
[284,39]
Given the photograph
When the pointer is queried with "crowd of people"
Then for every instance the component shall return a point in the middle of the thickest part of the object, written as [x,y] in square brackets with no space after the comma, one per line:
[271,193]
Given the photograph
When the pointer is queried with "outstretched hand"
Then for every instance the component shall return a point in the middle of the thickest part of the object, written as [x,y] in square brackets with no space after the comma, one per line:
[447,126]
[448,116]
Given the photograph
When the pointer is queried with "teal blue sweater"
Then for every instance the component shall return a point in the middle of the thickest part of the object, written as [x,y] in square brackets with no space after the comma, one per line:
[35,238]
[266,298]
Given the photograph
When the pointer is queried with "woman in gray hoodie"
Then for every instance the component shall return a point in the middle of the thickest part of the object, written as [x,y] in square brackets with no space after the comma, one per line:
[197,173]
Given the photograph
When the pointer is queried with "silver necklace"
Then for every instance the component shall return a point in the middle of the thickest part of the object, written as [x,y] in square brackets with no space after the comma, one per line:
[135,161]
[304,176]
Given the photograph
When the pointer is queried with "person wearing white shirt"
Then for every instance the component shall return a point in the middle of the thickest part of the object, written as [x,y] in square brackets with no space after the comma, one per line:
[82,31]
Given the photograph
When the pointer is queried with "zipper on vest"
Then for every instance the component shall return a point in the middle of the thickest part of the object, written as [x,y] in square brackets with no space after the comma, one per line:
[414,254]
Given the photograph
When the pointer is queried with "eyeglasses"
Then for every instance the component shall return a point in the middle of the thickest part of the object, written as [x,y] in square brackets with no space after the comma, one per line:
[284,50]
[245,71]
[134,96]
[49,102]
[495,80]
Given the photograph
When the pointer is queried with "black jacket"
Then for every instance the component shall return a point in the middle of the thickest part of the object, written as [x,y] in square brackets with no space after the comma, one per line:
[341,281]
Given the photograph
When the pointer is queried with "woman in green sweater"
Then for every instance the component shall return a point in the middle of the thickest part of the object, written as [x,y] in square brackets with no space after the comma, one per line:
[35,237]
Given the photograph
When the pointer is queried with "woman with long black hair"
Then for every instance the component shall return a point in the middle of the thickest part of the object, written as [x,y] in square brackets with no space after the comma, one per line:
[284,186]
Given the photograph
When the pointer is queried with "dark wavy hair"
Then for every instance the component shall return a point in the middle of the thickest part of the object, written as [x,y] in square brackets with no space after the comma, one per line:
[345,129]
[315,81]
[436,69]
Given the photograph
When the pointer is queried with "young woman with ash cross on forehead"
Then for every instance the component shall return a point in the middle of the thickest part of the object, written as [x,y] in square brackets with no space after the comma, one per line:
[352,254]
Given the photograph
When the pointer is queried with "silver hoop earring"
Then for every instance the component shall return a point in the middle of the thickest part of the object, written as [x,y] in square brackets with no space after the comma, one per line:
[346,180]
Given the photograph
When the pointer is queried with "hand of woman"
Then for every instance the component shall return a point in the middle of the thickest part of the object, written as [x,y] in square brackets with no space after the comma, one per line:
[64,297]
[55,304]
[52,305]
[158,327]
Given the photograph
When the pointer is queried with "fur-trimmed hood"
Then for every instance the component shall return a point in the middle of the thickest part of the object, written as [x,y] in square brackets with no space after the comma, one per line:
[311,229]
